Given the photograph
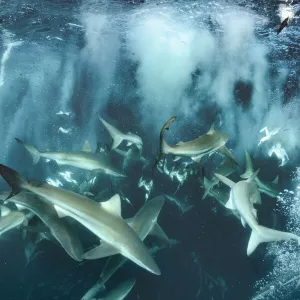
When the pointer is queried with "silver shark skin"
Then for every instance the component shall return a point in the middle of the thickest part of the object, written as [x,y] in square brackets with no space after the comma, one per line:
[59,227]
[118,136]
[207,144]
[242,196]
[10,219]
[269,188]
[102,219]
[84,159]
[121,291]
[143,223]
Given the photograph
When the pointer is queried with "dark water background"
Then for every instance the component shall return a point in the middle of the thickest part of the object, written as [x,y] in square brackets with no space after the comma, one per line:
[93,69]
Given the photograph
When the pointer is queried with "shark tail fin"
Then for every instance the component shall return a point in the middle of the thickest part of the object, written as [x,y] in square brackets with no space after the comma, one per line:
[208,185]
[35,154]
[263,234]
[15,180]
[225,180]
[249,166]
[116,135]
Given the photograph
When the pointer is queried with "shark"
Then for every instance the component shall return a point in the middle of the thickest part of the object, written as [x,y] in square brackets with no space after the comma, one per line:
[60,229]
[243,195]
[84,159]
[271,189]
[226,168]
[121,291]
[103,219]
[118,136]
[207,144]
[114,263]
[10,219]
[181,206]
[143,223]
[131,156]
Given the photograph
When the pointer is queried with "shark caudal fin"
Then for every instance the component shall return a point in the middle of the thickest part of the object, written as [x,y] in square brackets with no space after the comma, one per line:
[35,154]
[208,186]
[15,180]
[263,234]
[116,135]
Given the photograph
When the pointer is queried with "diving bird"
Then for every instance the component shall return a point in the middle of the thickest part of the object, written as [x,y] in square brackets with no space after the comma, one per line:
[207,144]
[243,195]
[118,136]
[103,219]
[60,229]
[84,159]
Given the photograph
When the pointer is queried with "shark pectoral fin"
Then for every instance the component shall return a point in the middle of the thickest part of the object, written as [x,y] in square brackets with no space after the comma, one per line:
[254,211]
[113,205]
[4,210]
[176,158]
[61,213]
[197,158]
[87,147]
[229,204]
[158,232]
[104,250]
[225,180]
[243,222]
[20,206]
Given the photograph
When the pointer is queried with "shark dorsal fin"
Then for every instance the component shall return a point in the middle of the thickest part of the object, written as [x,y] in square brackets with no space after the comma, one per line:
[225,180]
[113,205]
[249,166]
[275,181]
[180,143]
[253,176]
[212,128]
[86,147]
[4,210]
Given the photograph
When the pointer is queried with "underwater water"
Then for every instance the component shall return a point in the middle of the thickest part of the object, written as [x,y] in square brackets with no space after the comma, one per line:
[65,65]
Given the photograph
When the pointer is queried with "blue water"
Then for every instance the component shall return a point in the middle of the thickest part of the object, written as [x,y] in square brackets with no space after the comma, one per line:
[136,64]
